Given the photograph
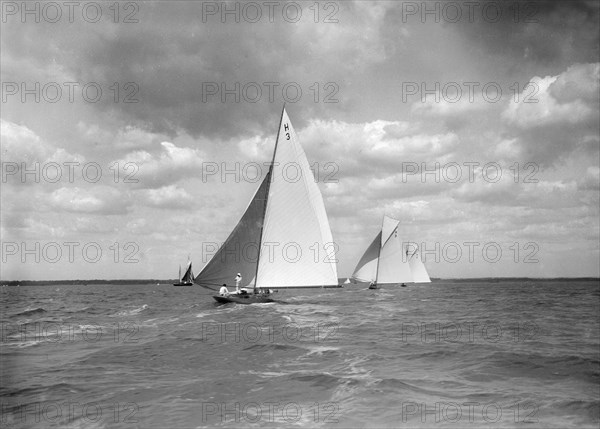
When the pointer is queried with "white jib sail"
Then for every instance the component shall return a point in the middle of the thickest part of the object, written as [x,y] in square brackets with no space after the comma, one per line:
[417,268]
[366,269]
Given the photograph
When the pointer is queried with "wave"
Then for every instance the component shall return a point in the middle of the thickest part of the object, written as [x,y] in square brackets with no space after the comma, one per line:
[204,314]
[323,350]
[78,310]
[271,347]
[323,379]
[538,361]
[266,374]
[394,384]
[30,311]
[586,411]
[133,311]
[41,390]
[21,344]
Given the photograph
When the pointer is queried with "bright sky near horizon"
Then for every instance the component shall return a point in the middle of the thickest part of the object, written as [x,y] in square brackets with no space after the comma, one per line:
[134,134]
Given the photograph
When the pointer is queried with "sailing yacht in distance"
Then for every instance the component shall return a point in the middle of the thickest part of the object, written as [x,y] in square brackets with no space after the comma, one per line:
[283,239]
[188,276]
[386,261]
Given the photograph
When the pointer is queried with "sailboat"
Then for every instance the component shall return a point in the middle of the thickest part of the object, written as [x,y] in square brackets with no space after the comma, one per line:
[347,282]
[188,276]
[283,239]
[386,261]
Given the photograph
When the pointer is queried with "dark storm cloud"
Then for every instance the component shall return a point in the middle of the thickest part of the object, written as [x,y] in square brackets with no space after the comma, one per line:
[175,58]
[548,33]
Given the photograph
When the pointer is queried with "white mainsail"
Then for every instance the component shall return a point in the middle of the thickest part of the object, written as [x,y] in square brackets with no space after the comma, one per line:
[387,261]
[297,245]
[393,265]
[285,222]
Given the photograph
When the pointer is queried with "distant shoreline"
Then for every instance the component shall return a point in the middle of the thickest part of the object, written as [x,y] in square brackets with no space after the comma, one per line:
[171,281]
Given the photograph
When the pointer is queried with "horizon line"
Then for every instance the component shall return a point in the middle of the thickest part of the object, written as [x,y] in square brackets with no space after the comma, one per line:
[144,281]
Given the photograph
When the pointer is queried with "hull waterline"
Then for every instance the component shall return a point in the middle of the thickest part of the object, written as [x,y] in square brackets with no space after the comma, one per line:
[243,299]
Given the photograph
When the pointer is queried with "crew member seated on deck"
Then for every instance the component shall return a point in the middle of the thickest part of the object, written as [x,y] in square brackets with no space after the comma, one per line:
[238,280]
[223,291]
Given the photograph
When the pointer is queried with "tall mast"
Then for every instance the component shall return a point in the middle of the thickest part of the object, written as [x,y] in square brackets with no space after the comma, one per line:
[267,197]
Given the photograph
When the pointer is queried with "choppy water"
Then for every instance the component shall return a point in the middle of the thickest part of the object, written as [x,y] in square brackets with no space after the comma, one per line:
[506,354]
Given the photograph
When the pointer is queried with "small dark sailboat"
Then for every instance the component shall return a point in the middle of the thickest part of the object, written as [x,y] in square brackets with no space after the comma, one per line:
[188,277]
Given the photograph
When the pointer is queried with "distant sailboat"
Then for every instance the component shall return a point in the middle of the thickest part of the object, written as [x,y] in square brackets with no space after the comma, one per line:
[347,282]
[385,260]
[283,239]
[188,276]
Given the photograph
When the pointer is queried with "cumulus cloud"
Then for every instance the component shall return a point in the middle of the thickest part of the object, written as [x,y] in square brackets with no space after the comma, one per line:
[99,199]
[27,159]
[168,197]
[590,181]
[564,118]
[455,104]
[378,147]
[20,144]
[569,98]
[170,164]
[579,82]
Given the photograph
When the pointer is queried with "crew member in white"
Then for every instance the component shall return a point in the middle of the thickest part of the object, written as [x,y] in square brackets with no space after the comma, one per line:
[238,280]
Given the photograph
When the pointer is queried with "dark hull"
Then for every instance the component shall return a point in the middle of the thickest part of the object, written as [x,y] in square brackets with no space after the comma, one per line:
[243,299]
[377,286]
[183,284]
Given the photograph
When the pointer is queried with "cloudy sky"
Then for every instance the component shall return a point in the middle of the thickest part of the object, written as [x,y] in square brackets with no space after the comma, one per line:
[475,124]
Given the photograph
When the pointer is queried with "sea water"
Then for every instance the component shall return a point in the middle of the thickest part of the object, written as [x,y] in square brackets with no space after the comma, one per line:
[444,354]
